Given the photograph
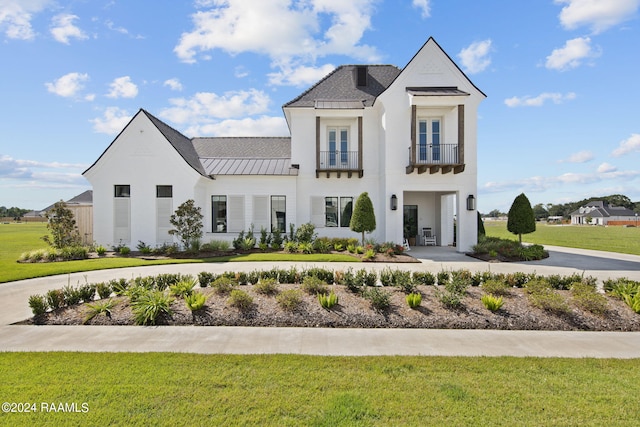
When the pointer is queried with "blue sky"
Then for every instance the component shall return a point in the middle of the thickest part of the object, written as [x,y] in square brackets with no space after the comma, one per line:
[561,121]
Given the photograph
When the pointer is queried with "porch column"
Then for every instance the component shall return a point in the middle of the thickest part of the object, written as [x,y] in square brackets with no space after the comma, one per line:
[317,146]
[413,134]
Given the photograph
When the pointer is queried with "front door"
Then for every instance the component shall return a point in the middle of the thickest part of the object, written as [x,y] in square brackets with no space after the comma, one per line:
[410,221]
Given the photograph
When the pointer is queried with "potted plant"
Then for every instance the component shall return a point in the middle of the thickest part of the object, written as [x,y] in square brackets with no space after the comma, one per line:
[410,230]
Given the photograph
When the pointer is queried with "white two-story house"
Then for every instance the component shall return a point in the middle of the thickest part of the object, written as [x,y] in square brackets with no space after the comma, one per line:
[406,136]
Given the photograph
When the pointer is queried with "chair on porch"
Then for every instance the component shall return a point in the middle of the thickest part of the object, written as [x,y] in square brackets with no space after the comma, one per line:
[428,237]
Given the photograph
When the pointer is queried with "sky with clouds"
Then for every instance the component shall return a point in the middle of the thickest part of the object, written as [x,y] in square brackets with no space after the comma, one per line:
[560,123]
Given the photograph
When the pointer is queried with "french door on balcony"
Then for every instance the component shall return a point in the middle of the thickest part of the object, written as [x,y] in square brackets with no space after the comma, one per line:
[429,135]
[338,136]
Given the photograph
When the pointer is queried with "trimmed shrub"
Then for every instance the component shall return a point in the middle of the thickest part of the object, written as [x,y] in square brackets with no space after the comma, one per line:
[223,285]
[104,290]
[587,298]
[380,300]
[542,296]
[496,287]
[240,300]
[289,300]
[205,278]
[423,278]
[266,287]
[38,304]
[72,295]
[313,285]
[55,299]
[87,292]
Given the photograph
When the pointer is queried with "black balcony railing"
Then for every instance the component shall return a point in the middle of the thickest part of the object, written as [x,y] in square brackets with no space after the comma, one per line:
[339,160]
[440,154]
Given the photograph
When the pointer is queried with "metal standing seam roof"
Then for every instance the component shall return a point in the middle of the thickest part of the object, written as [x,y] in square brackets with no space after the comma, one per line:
[248,166]
[436,91]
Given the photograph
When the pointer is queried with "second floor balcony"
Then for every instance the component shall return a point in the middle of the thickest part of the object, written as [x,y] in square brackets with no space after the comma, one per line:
[434,158]
[340,162]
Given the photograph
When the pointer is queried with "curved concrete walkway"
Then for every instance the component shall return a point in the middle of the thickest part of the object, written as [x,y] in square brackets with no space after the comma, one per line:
[322,341]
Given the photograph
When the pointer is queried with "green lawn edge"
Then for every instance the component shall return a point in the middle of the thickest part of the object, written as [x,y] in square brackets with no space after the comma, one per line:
[293,390]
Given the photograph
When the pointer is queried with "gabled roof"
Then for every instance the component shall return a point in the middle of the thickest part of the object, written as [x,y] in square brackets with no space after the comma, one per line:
[341,85]
[181,143]
[600,208]
[85,198]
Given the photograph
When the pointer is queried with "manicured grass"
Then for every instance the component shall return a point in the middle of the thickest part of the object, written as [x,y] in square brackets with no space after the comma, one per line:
[288,390]
[612,239]
[16,239]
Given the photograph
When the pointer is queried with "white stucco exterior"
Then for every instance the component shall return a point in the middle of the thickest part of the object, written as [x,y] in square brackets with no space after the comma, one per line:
[142,157]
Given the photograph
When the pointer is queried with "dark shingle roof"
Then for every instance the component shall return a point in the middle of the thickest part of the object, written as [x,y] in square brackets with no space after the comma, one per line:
[243,147]
[85,198]
[341,85]
[181,143]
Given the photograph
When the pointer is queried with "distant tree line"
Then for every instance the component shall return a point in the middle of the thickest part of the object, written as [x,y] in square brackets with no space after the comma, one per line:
[543,211]
[12,212]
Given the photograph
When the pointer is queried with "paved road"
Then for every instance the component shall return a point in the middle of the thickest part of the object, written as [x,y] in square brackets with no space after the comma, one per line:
[321,341]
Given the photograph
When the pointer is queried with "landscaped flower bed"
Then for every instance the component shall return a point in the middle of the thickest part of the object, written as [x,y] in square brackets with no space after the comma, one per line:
[448,299]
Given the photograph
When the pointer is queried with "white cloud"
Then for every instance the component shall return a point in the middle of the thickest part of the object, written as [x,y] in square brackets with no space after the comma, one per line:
[113,120]
[205,107]
[18,169]
[599,15]
[240,72]
[475,57]
[174,84]
[538,101]
[260,126]
[606,167]
[579,157]
[63,28]
[542,183]
[16,15]
[571,54]
[629,145]
[424,7]
[68,85]
[287,32]
[300,76]
[123,87]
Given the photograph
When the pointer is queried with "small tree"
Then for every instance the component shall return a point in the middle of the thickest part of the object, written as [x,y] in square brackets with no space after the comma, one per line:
[187,221]
[363,218]
[62,226]
[521,218]
[481,230]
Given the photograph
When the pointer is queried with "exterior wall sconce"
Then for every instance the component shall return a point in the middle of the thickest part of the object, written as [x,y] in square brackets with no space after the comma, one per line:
[471,203]
[394,202]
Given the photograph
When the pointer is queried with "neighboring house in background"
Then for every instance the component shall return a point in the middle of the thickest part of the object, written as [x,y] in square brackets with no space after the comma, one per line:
[405,136]
[601,213]
[82,208]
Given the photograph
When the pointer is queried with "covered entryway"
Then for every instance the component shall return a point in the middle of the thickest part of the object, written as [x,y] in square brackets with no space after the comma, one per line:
[428,211]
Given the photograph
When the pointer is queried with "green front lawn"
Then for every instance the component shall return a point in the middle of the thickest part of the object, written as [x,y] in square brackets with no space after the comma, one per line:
[16,239]
[287,390]
[612,239]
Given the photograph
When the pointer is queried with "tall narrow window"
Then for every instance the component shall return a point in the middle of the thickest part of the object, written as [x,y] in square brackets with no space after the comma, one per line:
[278,213]
[422,140]
[435,139]
[122,214]
[332,147]
[164,209]
[219,214]
[344,147]
[346,209]
[331,211]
